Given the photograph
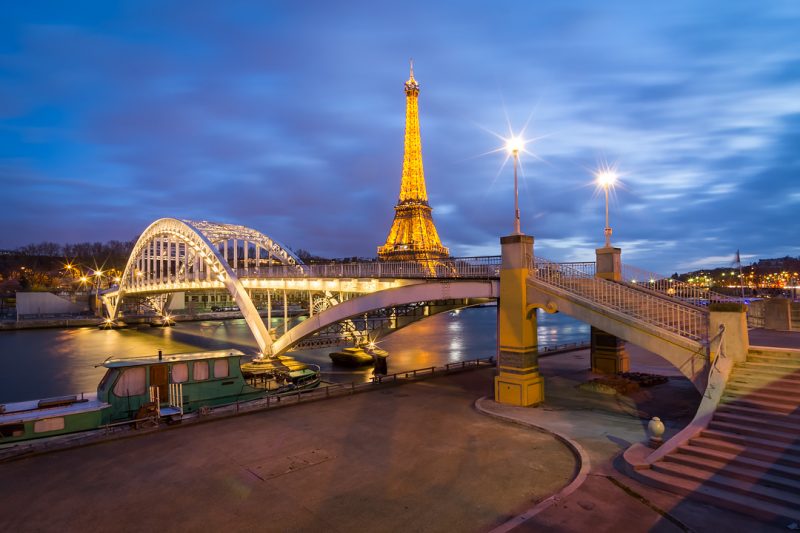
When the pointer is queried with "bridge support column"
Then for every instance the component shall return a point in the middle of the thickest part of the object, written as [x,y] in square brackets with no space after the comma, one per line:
[608,354]
[518,381]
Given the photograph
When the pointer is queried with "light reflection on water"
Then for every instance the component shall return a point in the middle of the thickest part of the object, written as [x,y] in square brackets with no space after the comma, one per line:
[52,362]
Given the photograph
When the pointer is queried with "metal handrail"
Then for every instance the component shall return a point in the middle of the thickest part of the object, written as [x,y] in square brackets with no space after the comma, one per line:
[673,316]
[680,290]
[486,267]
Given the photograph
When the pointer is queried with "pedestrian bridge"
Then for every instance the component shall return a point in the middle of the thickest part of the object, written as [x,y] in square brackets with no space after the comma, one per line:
[663,315]
[175,255]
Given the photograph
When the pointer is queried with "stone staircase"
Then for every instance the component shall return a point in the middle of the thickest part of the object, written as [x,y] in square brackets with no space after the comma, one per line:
[748,458]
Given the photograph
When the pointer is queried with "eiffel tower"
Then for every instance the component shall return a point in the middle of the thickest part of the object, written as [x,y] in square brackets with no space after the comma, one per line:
[413,236]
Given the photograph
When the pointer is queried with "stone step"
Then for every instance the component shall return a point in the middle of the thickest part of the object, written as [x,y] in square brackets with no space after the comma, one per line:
[781,477]
[774,360]
[787,372]
[782,387]
[779,407]
[722,481]
[759,422]
[787,437]
[788,357]
[763,380]
[778,353]
[719,497]
[730,451]
[788,449]
[740,387]
[787,400]
[777,418]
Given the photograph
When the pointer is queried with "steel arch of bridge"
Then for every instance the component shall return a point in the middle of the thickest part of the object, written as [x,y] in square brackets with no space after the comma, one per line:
[173,251]
[420,292]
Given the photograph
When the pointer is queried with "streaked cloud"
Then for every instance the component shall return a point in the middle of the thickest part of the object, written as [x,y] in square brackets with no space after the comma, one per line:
[289,118]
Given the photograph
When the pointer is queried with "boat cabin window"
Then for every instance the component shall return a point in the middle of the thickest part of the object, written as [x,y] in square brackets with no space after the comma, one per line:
[12,430]
[200,370]
[180,372]
[48,424]
[108,379]
[131,382]
[221,368]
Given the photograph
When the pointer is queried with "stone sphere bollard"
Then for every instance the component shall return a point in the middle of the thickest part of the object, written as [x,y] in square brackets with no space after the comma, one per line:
[656,428]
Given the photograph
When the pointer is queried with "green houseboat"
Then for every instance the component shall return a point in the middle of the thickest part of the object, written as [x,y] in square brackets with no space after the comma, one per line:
[171,386]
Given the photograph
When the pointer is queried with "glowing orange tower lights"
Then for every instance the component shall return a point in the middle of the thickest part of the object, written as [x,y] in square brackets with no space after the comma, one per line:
[413,236]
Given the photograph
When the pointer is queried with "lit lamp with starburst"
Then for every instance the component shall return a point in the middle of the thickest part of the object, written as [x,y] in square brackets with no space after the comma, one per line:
[609,260]
[514,145]
[606,179]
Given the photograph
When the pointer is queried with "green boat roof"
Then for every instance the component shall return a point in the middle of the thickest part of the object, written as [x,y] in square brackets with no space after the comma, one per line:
[118,362]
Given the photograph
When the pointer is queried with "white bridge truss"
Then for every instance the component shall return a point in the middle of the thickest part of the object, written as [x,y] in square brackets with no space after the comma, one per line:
[174,255]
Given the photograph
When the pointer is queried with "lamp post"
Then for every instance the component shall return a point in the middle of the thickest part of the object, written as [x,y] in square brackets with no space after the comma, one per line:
[606,179]
[98,277]
[514,145]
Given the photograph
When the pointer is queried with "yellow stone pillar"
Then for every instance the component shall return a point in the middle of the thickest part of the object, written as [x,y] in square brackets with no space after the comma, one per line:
[518,381]
[608,354]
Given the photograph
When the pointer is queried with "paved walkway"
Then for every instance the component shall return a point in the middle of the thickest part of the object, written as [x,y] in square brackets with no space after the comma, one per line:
[414,457]
[776,339]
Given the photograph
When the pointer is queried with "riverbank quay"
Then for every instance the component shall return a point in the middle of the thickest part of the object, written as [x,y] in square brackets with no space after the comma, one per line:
[413,457]
[80,322]
[600,427]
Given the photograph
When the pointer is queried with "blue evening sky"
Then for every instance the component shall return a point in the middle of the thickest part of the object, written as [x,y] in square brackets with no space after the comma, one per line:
[288,117]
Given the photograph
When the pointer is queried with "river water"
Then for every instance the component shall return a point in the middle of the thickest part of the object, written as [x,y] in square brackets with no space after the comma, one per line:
[54,362]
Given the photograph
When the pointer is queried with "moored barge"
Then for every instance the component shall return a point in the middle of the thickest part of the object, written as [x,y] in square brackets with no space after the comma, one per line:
[149,388]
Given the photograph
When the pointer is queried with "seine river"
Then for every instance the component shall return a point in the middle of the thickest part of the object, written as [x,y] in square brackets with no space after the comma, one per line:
[54,362]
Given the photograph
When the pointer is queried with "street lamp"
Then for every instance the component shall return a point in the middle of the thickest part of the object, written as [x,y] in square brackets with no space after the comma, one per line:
[606,179]
[98,276]
[514,145]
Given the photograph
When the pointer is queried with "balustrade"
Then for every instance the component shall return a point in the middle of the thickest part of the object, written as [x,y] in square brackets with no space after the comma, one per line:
[675,316]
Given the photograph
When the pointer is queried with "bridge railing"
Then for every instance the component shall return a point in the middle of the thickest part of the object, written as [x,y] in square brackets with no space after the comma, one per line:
[485,267]
[680,290]
[674,316]
[585,267]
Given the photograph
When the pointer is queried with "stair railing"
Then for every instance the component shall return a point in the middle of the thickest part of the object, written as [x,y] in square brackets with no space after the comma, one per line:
[673,316]
[718,374]
[680,290]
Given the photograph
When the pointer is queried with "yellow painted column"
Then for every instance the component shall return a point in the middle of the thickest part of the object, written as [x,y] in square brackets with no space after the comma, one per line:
[518,381]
